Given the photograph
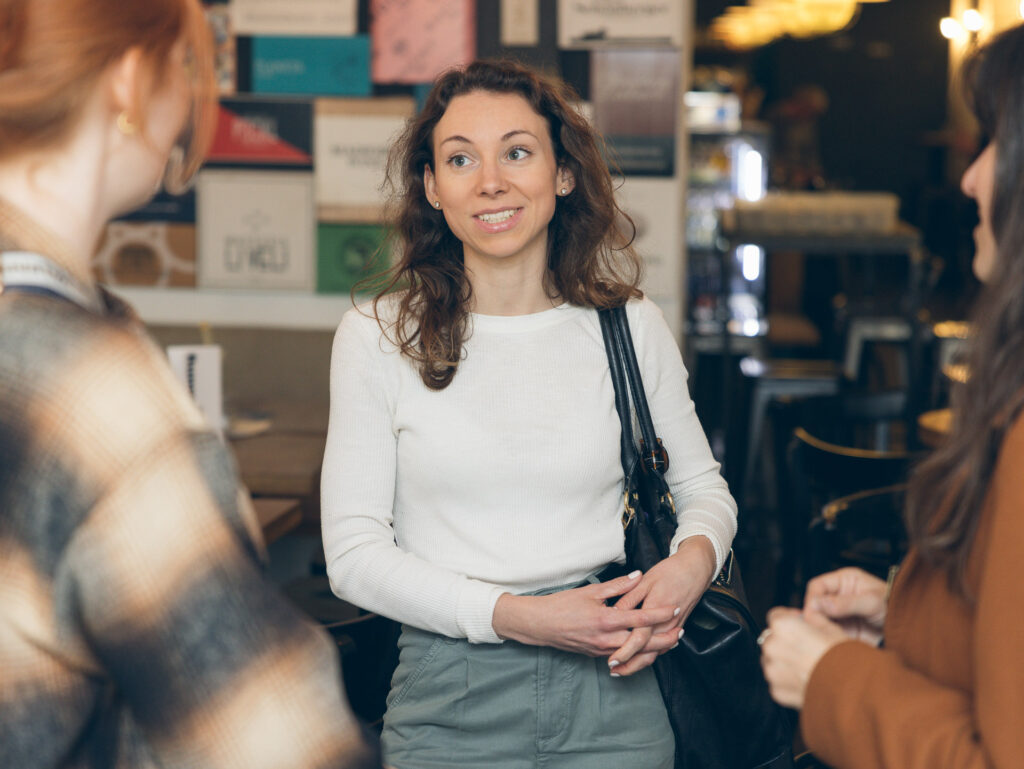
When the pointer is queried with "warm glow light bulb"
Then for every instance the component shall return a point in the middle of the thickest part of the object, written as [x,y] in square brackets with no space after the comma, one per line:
[1021,9]
[952,29]
[973,20]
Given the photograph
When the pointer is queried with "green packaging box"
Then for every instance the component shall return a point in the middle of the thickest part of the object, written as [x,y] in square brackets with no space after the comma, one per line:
[347,253]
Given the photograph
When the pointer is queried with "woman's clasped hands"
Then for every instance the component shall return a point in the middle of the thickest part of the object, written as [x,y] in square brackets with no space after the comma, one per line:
[630,619]
[841,605]
[679,581]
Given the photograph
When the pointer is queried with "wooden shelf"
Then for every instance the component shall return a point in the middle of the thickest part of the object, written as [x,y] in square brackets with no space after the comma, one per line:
[903,240]
[243,308]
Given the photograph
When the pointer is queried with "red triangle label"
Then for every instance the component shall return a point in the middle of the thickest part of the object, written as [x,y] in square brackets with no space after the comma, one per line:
[237,139]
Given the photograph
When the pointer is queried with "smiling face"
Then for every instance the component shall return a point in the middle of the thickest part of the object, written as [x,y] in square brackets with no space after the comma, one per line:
[978,182]
[496,177]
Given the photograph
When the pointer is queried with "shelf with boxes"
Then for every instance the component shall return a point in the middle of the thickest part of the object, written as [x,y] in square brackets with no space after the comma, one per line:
[285,216]
[281,223]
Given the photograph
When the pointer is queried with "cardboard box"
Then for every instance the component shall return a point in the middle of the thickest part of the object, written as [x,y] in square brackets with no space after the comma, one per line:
[260,132]
[256,229]
[352,139]
[199,369]
[635,96]
[414,42]
[295,17]
[158,254]
[347,253]
[165,207]
[334,66]
[225,47]
[593,23]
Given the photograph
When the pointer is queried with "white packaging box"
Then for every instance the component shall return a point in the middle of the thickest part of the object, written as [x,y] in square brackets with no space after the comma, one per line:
[351,139]
[337,18]
[654,204]
[198,367]
[256,229]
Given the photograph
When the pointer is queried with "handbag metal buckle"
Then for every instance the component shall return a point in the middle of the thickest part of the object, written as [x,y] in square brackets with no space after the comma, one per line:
[724,578]
[629,502]
[668,499]
[656,459]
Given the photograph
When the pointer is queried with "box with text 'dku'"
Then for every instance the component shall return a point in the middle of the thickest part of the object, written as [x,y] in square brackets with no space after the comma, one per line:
[257,230]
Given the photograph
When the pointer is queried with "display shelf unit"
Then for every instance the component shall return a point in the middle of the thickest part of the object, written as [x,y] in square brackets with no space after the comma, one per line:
[294,310]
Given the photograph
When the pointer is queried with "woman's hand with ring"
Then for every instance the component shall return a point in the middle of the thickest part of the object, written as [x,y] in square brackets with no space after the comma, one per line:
[791,646]
[854,599]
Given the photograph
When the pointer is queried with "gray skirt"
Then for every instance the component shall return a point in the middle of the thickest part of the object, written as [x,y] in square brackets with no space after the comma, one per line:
[456,705]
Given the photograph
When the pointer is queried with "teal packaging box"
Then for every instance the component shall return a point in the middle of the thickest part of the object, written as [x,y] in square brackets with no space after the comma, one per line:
[347,253]
[314,66]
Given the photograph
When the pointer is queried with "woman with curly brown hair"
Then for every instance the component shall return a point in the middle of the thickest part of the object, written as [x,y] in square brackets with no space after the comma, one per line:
[472,483]
[947,689]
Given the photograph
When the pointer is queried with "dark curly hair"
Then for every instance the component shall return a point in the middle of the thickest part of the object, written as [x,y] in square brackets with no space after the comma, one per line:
[948,490]
[591,262]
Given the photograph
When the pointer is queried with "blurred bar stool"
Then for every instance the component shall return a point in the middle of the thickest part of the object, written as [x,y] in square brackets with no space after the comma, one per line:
[774,380]
[821,470]
[864,529]
[934,426]
[949,342]
[951,337]
[808,760]
[367,643]
[863,330]
[277,516]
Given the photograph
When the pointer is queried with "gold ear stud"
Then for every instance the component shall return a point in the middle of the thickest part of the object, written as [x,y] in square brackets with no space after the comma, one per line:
[125,124]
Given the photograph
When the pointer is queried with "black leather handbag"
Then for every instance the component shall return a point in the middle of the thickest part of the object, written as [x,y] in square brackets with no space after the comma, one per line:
[717,699]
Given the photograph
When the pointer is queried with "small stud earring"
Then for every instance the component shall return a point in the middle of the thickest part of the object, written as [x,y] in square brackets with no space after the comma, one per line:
[437,204]
[564,191]
[125,124]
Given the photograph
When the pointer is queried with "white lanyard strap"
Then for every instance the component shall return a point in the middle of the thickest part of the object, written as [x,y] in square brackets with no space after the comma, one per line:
[29,270]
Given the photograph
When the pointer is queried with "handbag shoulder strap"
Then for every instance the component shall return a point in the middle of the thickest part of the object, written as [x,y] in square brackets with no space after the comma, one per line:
[625,370]
[627,446]
[652,452]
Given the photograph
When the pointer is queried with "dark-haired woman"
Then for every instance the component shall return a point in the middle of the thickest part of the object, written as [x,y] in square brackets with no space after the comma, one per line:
[947,689]
[471,483]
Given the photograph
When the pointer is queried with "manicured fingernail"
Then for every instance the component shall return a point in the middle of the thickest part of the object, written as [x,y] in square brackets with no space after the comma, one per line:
[634,574]
[616,675]
[677,612]
[613,664]
[677,644]
[681,631]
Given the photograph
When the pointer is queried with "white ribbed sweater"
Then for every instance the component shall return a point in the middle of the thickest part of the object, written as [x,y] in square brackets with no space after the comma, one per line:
[509,480]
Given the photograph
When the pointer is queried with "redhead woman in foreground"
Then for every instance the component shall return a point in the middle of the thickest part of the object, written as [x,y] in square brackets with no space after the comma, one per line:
[947,689]
[137,628]
[472,488]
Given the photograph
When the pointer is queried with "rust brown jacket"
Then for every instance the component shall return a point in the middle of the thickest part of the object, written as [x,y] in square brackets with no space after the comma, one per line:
[947,691]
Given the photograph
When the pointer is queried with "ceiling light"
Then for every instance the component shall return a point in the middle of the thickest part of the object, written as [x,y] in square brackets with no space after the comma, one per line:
[973,20]
[952,29]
